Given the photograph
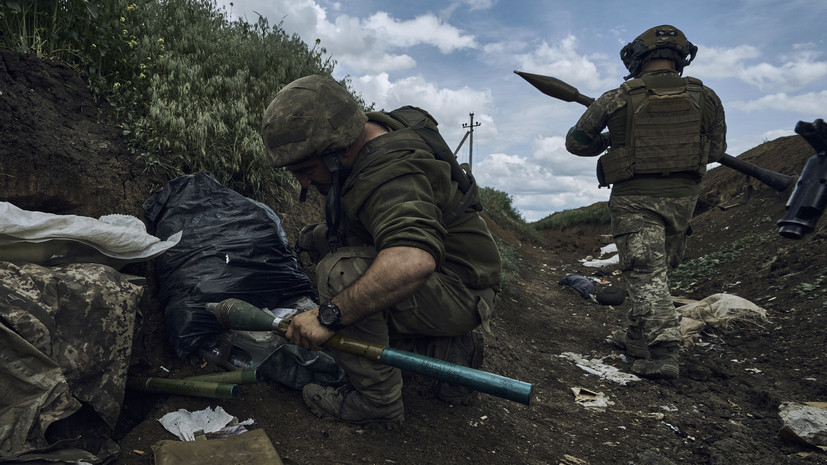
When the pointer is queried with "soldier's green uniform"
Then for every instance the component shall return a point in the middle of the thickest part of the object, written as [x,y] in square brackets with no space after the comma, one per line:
[397,197]
[386,191]
[651,210]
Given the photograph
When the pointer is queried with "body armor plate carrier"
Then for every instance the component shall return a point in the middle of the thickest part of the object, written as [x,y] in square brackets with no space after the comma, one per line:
[663,132]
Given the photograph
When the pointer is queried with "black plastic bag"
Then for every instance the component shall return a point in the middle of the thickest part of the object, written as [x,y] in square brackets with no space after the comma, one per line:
[232,247]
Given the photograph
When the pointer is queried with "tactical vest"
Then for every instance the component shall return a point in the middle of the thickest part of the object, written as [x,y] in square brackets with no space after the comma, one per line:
[663,132]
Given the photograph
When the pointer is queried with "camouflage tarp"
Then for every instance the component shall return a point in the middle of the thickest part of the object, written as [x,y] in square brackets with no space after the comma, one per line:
[65,346]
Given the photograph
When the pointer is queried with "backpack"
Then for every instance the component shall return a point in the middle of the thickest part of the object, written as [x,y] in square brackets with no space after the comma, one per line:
[663,132]
[424,125]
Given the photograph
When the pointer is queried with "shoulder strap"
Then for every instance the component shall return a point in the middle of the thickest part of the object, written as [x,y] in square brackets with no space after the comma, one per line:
[694,87]
[425,126]
[635,95]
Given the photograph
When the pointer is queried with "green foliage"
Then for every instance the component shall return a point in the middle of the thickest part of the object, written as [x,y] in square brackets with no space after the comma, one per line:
[814,289]
[510,263]
[593,214]
[686,274]
[189,85]
[500,208]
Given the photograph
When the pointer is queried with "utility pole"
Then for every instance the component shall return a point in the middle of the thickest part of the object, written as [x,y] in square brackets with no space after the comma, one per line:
[470,128]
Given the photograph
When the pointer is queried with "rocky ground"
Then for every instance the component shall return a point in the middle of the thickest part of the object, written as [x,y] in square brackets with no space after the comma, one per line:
[58,157]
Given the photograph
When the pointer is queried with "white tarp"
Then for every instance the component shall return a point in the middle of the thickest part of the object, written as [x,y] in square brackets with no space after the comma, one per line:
[46,238]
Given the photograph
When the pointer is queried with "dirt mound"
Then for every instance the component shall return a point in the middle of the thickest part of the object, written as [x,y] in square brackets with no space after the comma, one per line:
[58,156]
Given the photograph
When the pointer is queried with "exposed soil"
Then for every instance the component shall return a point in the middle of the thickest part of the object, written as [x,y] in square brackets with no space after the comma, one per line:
[58,155]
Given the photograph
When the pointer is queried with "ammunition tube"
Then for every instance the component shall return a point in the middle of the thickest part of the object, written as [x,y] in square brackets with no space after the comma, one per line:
[183,387]
[229,377]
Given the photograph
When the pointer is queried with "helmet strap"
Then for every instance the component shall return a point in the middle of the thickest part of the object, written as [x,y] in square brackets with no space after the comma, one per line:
[333,202]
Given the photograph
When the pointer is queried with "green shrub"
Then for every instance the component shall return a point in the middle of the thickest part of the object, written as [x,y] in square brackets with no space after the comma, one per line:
[499,207]
[189,86]
[688,273]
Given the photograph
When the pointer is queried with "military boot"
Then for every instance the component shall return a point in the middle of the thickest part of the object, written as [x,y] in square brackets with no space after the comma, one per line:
[347,404]
[661,364]
[631,341]
[466,350]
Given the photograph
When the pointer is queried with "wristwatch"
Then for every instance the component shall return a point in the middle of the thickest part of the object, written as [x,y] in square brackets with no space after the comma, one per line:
[330,316]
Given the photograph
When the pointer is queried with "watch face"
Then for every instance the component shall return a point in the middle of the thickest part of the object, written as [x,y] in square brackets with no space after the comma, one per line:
[329,315]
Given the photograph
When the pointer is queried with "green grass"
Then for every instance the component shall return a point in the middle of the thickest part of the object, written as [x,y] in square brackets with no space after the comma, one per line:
[597,213]
[188,85]
[686,274]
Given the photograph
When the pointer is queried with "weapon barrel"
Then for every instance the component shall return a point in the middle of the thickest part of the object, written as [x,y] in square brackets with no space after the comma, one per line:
[183,387]
[229,377]
[478,380]
[779,182]
[241,313]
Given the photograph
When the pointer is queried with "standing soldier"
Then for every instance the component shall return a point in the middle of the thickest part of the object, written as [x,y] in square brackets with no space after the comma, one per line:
[404,256]
[663,129]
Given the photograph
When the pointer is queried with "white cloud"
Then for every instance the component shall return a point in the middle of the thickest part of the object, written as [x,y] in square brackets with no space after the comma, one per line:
[535,188]
[364,45]
[551,152]
[425,29]
[811,103]
[796,70]
[476,5]
[562,61]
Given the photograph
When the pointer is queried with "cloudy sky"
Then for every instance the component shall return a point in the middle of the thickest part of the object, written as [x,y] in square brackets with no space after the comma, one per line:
[764,58]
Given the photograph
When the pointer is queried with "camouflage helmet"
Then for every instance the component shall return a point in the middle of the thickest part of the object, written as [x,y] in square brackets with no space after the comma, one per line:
[658,42]
[311,116]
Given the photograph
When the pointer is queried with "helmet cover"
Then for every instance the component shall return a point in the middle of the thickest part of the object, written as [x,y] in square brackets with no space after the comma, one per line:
[664,41]
[311,116]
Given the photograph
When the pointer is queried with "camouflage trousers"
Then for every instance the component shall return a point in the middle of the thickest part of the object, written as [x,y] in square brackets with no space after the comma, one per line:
[650,234]
[443,307]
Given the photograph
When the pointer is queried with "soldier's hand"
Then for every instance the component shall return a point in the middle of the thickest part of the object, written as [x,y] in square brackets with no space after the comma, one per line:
[305,331]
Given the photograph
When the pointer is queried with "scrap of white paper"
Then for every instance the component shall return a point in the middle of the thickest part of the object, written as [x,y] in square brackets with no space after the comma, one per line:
[597,367]
[184,424]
